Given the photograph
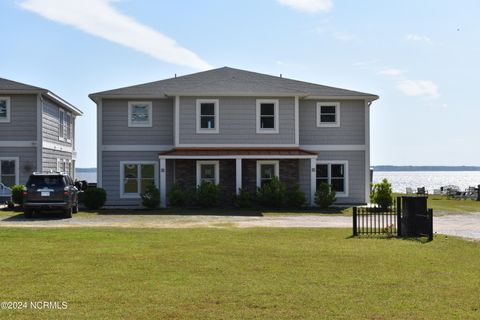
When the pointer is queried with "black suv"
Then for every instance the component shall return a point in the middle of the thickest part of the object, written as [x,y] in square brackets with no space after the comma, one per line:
[50,191]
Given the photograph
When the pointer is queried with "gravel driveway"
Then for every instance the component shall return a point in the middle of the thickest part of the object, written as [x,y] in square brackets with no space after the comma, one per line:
[457,225]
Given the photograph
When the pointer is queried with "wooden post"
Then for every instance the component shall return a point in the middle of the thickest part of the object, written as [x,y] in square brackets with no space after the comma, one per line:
[430,231]
[355,233]
[399,216]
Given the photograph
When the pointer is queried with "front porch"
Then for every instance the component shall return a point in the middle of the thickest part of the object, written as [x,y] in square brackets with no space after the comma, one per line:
[235,169]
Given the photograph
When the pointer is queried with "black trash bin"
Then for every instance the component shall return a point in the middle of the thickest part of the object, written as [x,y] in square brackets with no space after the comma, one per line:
[412,206]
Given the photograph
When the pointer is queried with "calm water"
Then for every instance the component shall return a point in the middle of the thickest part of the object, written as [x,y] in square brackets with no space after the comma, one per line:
[430,180]
[400,180]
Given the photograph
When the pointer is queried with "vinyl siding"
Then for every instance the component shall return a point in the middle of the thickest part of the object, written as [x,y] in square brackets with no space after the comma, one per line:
[23,119]
[51,123]
[237,122]
[115,130]
[111,174]
[350,132]
[356,173]
[27,160]
[49,159]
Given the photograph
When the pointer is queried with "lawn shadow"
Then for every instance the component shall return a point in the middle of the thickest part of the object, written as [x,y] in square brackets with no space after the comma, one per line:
[43,216]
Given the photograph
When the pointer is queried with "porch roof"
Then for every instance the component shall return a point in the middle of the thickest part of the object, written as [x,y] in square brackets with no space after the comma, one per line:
[234,153]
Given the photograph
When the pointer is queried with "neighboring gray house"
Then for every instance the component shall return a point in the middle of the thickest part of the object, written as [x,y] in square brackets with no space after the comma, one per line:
[37,132]
[236,128]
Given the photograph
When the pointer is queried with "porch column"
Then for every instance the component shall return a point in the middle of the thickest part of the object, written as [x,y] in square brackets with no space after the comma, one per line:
[163,183]
[313,180]
[238,181]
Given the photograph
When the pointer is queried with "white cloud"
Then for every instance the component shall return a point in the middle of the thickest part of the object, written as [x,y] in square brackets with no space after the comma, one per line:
[310,6]
[418,38]
[344,36]
[391,72]
[417,88]
[101,19]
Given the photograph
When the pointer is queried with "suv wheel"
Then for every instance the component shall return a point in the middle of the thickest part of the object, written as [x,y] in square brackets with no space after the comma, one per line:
[75,208]
[68,212]
[28,213]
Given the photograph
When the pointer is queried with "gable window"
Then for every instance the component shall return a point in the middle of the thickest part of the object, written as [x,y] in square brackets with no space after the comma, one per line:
[68,124]
[207,116]
[334,173]
[328,114]
[9,171]
[266,170]
[136,177]
[140,114]
[61,124]
[267,116]
[4,109]
[208,171]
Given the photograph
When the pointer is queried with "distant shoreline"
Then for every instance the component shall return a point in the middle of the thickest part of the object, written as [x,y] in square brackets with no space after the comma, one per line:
[385,168]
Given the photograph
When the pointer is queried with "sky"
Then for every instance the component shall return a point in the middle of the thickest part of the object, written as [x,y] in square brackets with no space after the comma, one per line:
[420,57]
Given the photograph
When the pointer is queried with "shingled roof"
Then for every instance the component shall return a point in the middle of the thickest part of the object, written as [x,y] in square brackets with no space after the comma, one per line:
[229,81]
[13,87]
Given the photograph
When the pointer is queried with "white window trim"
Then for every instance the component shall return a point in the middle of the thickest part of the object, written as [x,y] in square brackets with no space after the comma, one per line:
[7,119]
[216,163]
[132,124]
[17,168]
[124,195]
[330,162]
[276,163]
[275,113]
[216,116]
[337,115]
[61,124]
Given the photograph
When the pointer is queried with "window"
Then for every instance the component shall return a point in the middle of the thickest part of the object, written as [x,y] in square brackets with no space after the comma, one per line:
[207,116]
[266,170]
[267,116]
[61,124]
[68,123]
[136,177]
[9,171]
[140,114]
[208,171]
[328,114]
[335,174]
[4,109]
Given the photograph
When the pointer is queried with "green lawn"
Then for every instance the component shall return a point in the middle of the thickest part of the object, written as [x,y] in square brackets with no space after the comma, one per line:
[237,273]
[449,205]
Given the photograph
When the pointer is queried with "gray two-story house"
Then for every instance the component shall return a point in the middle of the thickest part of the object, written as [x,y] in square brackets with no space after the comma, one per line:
[37,132]
[235,128]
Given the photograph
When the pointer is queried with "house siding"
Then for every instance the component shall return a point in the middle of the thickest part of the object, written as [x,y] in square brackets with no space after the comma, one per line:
[27,160]
[23,119]
[356,173]
[49,160]
[115,129]
[350,132]
[237,122]
[51,124]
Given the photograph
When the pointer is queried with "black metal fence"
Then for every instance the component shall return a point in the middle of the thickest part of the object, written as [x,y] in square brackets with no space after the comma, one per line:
[374,220]
[408,217]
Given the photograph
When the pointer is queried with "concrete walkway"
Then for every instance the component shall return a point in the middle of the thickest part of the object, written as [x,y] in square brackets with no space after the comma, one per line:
[462,225]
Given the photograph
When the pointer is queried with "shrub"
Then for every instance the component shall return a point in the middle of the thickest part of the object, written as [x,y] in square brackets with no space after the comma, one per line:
[177,197]
[150,197]
[94,198]
[17,194]
[244,199]
[382,194]
[325,195]
[207,195]
[272,194]
[295,197]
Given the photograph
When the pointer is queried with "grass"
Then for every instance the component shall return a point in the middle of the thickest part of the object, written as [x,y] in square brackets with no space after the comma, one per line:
[443,204]
[237,273]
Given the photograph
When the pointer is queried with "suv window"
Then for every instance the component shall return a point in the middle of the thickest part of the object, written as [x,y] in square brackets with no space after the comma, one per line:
[46,181]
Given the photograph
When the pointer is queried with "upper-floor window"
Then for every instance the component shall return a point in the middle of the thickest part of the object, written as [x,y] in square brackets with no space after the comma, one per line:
[267,116]
[328,114]
[64,125]
[207,116]
[4,109]
[140,114]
